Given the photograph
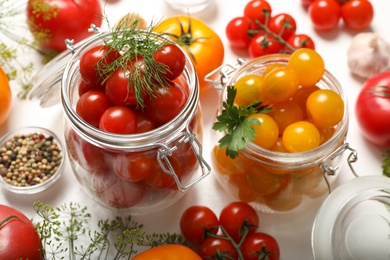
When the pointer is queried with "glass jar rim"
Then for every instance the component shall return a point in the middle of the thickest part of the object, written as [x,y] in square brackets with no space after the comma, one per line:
[130,141]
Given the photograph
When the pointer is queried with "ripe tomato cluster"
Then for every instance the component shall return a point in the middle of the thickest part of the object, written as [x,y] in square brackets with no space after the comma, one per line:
[326,14]
[261,32]
[232,235]
[303,116]
[113,102]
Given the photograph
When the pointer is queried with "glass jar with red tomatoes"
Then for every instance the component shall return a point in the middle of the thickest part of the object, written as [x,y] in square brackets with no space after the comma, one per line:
[138,168]
[293,142]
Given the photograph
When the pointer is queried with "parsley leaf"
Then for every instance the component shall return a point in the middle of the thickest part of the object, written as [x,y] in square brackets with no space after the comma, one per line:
[235,122]
[386,165]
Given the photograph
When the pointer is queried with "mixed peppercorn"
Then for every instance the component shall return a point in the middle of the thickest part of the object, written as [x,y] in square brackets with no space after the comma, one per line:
[31,159]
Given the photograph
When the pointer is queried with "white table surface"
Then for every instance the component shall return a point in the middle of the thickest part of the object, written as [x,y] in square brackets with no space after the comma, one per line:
[292,230]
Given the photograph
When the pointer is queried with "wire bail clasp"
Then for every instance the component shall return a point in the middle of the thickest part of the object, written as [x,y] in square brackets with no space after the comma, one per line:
[165,151]
[219,77]
[329,170]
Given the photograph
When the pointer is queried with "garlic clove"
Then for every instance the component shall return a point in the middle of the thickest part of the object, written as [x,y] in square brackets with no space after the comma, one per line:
[368,55]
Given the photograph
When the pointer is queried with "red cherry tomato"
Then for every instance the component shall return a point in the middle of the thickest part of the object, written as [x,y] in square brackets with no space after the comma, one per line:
[301,41]
[119,90]
[91,106]
[260,246]
[283,24]
[132,167]
[19,239]
[173,58]
[89,70]
[373,109]
[167,104]
[357,14]
[237,32]
[144,122]
[325,14]
[157,178]
[217,248]
[258,11]
[119,120]
[236,215]
[196,221]
[263,44]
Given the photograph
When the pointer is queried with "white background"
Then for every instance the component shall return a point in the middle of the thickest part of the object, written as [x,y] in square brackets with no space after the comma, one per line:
[292,230]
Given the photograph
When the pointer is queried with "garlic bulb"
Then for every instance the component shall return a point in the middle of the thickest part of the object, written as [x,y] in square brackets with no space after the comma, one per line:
[368,55]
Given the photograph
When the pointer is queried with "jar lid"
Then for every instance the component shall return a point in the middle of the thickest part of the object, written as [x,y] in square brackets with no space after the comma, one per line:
[354,221]
[46,83]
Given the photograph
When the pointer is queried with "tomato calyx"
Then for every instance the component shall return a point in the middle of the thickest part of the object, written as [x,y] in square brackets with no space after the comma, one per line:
[185,38]
[386,165]
[383,91]
[8,219]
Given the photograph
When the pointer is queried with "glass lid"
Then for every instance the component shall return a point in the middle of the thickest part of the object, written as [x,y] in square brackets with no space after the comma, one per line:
[354,221]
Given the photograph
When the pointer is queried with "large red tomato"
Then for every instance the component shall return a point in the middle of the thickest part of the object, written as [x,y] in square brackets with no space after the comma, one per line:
[18,237]
[373,109]
[54,21]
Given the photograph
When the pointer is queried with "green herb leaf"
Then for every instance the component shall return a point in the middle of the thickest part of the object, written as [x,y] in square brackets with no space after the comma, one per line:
[235,122]
[386,165]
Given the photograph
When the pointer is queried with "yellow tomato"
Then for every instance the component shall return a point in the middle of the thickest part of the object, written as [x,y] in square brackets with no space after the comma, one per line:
[168,252]
[202,44]
[5,97]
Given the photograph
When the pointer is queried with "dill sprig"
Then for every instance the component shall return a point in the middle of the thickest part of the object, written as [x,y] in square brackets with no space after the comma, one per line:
[137,47]
[65,234]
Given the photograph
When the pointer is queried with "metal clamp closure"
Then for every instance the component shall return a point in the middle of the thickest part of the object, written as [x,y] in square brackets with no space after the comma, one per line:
[221,75]
[165,151]
[329,170]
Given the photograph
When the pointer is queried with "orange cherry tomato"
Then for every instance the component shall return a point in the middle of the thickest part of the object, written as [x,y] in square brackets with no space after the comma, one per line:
[202,44]
[168,252]
[5,97]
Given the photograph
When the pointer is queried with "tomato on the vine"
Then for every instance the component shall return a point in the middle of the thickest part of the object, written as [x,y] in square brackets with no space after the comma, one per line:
[263,44]
[119,120]
[5,97]
[325,14]
[260,246]
[357,14]
[372,109]
[297,41]
[283,25]
[217,248]
[201,42]
[53,21]
[237,32]
[196,221]
[258,11]
[19,239]
[236,217]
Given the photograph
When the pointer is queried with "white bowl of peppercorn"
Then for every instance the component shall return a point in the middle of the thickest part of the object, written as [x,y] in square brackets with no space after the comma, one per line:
[31,160]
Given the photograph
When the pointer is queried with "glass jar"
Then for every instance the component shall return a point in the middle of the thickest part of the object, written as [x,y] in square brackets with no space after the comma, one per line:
[134,173]
[275,181]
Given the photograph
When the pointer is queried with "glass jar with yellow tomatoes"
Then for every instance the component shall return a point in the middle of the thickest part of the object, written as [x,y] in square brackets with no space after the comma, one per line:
[281,118]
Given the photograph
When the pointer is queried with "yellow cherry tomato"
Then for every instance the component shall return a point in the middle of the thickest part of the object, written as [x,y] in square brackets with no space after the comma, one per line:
[301,136]
[200,41]
[248,90]
[5,97]
[267,132]
[168,252]
[325,108]
[280,84]
[308,65]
